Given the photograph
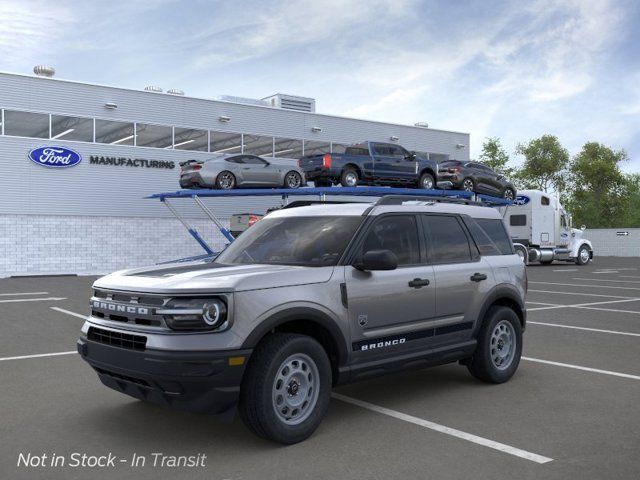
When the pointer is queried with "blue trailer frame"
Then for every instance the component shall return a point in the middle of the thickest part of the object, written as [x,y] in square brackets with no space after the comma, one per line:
[320,192]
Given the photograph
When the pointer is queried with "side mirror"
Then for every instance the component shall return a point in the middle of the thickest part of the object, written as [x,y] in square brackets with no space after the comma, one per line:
[377,260]
[411,156]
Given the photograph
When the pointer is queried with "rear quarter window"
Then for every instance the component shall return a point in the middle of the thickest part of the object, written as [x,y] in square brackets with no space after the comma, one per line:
[495,230]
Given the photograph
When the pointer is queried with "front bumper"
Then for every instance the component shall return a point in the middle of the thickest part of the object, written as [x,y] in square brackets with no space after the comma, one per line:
[199,382]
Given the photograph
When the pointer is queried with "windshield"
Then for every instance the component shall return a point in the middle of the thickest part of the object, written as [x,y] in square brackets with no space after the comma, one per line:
[304,241]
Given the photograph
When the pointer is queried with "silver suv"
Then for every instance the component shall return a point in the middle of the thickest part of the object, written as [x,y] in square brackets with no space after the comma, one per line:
[309,298]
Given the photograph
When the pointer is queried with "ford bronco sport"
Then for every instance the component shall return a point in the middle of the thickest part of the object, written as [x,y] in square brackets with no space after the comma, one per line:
[309,298]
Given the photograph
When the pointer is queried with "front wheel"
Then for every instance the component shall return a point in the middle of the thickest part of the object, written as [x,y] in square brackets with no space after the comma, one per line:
[497,355]
[584,255]
[292,180]
[426,182]
[286,390]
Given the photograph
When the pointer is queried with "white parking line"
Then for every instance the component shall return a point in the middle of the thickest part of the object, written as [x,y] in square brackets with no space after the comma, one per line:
[584,294]
[608,309]
[22,293]
[541,303]
[585,305]
[579,367]
[603,280]
[73,314]
[590,286]
[446,430]
[629,276]
[615,332]
[38,356]
[48,299]
[566,270]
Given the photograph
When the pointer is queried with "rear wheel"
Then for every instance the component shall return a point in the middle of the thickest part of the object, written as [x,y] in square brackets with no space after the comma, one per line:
[286,390]
[497,355]
[508,193]
[225,180]
[292,179]
[468,185]
[584,255]
[349,178]
[426,182]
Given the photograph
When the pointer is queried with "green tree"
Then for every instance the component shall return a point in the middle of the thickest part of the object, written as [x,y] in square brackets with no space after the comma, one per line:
[600,192]
[496,157]
[633,193]
[545,164]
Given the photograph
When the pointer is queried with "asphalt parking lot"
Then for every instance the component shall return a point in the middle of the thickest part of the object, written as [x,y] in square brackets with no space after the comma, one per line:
[571,411]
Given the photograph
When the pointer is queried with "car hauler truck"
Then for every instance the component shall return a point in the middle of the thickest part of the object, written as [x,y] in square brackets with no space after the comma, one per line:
[540,229]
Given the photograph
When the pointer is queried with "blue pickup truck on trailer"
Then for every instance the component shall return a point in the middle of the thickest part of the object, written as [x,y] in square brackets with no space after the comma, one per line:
[372,163]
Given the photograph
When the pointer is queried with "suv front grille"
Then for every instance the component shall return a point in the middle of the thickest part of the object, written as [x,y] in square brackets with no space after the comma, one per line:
[117,339]
[131,308]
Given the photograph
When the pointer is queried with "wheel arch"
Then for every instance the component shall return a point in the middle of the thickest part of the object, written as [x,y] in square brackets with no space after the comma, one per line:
[354,167]
[507,296]
[306,321]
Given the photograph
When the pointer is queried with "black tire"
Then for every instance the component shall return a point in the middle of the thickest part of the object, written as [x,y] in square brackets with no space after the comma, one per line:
[579,258]
[257,406]
[482,366]
[468,185]
[346,177]
[427,182]
[225,180]
[294,182]
[509,193]
[322,183]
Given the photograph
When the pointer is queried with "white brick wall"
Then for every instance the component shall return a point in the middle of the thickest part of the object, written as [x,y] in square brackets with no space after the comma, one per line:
[607,242]
[43,244]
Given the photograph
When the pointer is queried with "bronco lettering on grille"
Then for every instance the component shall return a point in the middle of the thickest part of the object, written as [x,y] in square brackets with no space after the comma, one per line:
[115,307]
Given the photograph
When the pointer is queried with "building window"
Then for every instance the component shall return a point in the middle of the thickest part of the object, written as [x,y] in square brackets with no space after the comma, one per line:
[287,148]
[26,124]
[114,133]
[71,128]
[338,147]
[156,136]
[258,145]
[316,148]
[223,142]
[190,139]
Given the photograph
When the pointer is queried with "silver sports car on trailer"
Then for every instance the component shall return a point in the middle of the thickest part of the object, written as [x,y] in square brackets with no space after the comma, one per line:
[241,170]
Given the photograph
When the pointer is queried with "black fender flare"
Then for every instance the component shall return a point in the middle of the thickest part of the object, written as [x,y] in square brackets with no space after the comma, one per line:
[300,313]
[499,292]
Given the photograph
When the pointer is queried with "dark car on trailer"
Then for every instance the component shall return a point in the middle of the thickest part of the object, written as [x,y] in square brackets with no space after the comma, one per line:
[476,177]
[371,163]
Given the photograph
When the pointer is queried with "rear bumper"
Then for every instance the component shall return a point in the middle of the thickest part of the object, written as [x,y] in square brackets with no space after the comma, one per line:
[199,382]
[454,180]
[192,180]
[322,173]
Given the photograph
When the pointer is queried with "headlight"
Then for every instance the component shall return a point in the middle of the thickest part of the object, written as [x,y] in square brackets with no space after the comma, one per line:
[195,314]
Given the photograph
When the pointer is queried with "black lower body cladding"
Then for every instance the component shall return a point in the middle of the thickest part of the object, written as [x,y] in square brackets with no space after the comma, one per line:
[198,382]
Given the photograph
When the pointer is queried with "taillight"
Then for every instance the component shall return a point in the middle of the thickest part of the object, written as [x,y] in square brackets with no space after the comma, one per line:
[197,166]
[455,170]
[298,162]
[252,219]
[326,161]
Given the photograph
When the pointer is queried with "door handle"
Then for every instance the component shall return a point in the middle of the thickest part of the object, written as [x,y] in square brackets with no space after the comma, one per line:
[478,277]
[418,283]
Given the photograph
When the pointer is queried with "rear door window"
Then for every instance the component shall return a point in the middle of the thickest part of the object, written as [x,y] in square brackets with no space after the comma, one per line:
[448,242]
[495,231]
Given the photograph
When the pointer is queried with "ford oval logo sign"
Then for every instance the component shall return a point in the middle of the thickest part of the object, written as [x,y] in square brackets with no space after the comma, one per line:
[55,157]
[521,200]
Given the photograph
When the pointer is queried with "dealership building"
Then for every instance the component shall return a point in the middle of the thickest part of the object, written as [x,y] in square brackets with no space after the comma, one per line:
[92,217]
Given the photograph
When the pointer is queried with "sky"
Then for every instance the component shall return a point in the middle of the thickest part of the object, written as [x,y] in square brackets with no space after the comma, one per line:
[509,69]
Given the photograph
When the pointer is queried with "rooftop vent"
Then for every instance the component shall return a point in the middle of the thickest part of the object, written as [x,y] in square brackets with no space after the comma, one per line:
[175,91]
[44,71]
[153,88]
[244,100]
[291,102]
[422,124]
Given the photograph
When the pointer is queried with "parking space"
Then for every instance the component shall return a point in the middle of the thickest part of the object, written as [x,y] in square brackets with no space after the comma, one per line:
[571,411]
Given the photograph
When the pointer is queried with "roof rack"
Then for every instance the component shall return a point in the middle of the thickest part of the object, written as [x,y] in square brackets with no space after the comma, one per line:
[388,196]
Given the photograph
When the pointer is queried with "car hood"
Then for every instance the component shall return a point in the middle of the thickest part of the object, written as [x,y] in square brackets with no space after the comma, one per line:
[212,278]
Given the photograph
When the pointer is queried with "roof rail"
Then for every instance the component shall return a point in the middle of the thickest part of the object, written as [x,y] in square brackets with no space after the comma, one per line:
[399,199]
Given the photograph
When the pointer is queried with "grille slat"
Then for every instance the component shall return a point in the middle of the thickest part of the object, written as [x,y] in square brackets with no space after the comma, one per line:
[117,339]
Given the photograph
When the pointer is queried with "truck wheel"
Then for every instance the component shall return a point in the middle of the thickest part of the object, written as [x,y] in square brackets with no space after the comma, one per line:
[497,355]
[584,255]
[468,185]
[426,182]
[225,180]
[349,178]
[286,390]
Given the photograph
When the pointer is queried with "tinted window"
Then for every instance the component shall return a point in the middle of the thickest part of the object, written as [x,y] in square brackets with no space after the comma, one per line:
[158,136]
[190,139]
[71,128]
[357,151]
[485,245]
[448,241]
[238,159]
[114,133]
[26,124]
[494,228]
[518,220]
[398,233]
[253,160]
[544,200]
[304,241]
